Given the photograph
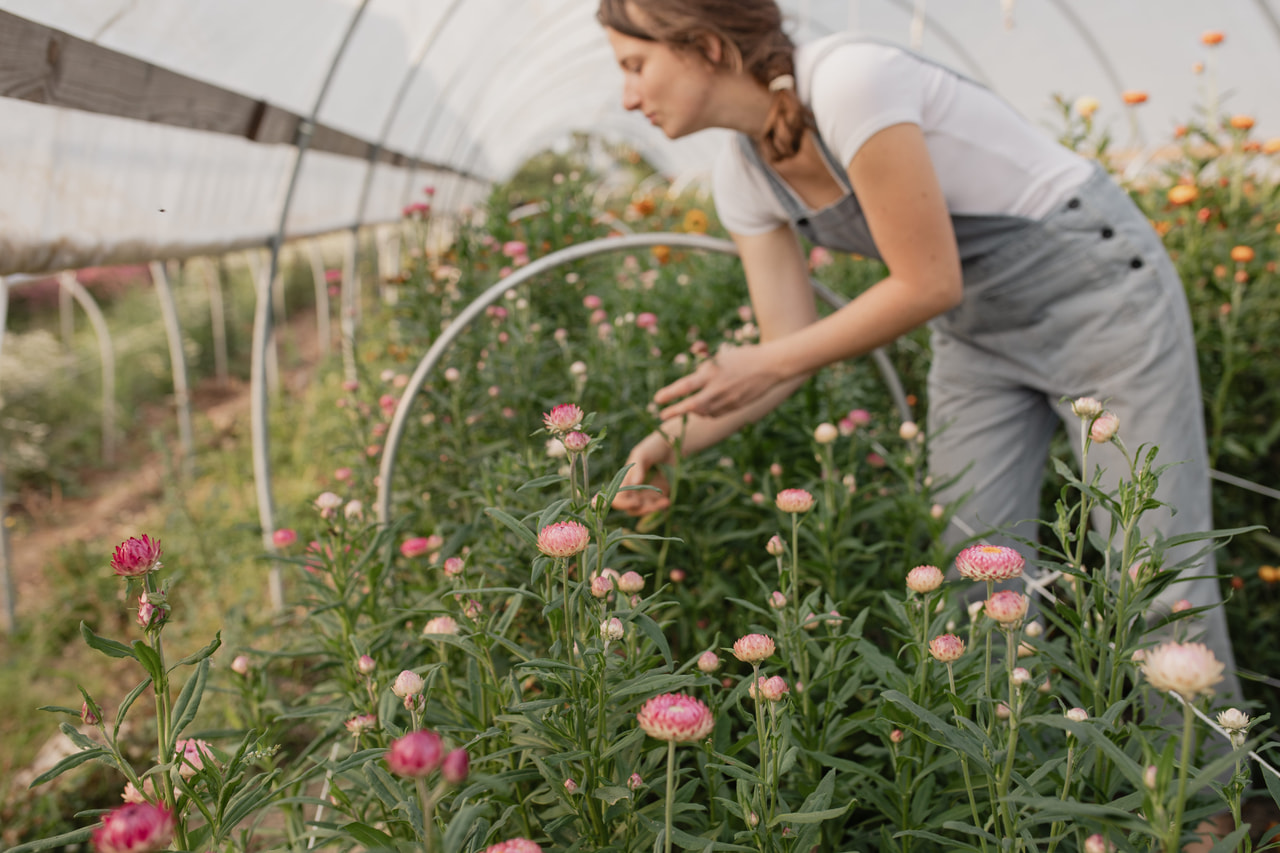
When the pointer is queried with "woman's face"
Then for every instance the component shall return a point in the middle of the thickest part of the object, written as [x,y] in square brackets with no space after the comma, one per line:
[670,87]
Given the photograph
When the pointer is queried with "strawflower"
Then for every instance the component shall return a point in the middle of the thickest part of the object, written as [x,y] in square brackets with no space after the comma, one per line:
[1104,427]
[753,648]
[192,753]
[134,828]
[514,845]
[1007,607]
[563,418]
[136,556]
[361,723]
[1086,407]
[772,689]
[440,625]
[708,662]
[414,755]
[1187,669]
[676,717]
[563,539]
[284,537]
[946,647]
[924,579]
[630,583]
[989,563]
[456,766]
[408,683]
[794,501]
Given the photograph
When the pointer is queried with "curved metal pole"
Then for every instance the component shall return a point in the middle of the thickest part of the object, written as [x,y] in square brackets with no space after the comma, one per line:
[262,323]
[107,356]
[8,593]
[178,361]
[1100,56]
[217,318]
[395,433]
[321,284]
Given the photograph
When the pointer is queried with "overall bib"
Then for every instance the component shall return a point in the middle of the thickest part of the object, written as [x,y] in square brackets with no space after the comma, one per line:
[1083,302]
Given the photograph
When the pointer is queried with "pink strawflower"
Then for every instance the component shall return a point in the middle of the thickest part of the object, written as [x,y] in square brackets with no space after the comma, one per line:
[630,583]
[131,794]
[440,625]
[240,664]
[328,503]
[860,417]
[456,766]
[361,723]
[453,567]
[612,629]
[136,556]
[1077,715]
[284,537]
[775,546]
[1007,607]
[514,248]
[366,665]
[514,845]
[563,539]
[576,441]
[989,563]
[89,714]
[1097,843]
[647,320]
[415,547]
[408,683]
[570,786]
[601,586]
[414,755]
[897,736]
[153,611]
[635,782]
[794,501]
[819,257]
[192,753]
[946,647]
[1187,669]
[677,575]
[591,302]
[1104,428]
[134,828]
[563,418]
[342,474]
[753,648]
[772,689]
[924,579]
[708,662]
[777,600]
[676,717]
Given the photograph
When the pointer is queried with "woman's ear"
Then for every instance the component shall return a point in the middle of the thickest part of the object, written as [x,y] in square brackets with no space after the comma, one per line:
[710,47]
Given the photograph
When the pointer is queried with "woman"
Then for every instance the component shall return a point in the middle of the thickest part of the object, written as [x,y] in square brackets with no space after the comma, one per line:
[1039,278]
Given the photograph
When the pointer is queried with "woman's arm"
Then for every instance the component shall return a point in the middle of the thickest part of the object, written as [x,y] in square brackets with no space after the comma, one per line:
[894,179]
[783,303]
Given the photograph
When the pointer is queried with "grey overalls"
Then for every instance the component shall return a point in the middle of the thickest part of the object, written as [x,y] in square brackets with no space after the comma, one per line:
[1084,302]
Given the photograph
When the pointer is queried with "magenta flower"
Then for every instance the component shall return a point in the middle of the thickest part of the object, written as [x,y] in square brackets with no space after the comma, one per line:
[153,611]
[794,501]
[924,579]
[676,717]
[753,648]
[134,828]
[946,647]
[415,547]
[514,845]
[136,556]
[456,766]
[453,566]
[563,539]
[414,755]
[284,537]
[1007,607]
[989,563]
[563,418]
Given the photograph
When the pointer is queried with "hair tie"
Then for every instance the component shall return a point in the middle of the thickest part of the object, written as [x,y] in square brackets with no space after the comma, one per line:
[782,81]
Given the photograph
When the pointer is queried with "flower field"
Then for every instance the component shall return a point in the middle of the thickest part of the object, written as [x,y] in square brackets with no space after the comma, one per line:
[783,660]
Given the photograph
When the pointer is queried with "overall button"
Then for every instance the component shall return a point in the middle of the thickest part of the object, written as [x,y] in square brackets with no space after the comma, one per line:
[1074,203]
[803,221]
[1107,233]
[1136,263]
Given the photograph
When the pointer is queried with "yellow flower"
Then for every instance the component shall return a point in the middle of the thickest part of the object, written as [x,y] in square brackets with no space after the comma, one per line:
[695,222]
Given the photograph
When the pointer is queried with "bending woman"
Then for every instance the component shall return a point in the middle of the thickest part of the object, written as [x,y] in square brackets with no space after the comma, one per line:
[1037,275]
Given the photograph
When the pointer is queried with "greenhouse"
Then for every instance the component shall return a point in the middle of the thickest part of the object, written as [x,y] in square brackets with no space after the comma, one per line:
[639,425]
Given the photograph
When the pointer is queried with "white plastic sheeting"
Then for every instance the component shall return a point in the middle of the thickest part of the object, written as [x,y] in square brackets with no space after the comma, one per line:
[485,81]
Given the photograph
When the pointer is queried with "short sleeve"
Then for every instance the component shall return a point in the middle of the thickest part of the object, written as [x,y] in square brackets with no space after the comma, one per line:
[744,202]
[860,88]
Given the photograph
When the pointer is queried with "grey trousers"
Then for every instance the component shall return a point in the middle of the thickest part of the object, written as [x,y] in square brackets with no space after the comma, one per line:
[1089,304]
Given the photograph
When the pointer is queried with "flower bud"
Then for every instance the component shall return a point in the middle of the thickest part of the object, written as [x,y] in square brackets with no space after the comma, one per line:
[366,665]
[570,786]
[408,683]
[1077,715]
[634,782]
[777,600]
[825,433]
[240,665]
[89,714]
[896,736]
[1104,427]
[908,431]
[455,766]
[775,546]
[1150,776]
[708,662]
[612,629]
[601,586]
[1020,676]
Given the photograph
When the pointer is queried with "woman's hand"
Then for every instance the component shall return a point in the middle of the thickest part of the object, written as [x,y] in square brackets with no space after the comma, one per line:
[644,458]
[734,377]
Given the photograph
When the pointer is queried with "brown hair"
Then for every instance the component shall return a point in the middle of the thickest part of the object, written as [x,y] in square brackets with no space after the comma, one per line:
[751,38]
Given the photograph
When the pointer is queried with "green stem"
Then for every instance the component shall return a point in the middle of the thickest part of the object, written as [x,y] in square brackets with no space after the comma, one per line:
[964,768]
[1172,844]
[424,797]
[671,783]
[1058,825]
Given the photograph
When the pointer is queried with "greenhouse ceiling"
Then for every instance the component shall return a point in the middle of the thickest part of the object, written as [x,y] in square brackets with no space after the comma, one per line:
[137,129]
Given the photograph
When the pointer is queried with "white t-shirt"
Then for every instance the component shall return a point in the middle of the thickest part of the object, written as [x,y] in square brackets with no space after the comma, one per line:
[988,158]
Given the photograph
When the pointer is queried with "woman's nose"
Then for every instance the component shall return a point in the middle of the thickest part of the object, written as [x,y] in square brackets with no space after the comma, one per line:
[630,97]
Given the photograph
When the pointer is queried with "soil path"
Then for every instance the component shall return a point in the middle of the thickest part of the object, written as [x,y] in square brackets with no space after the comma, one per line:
[113,502]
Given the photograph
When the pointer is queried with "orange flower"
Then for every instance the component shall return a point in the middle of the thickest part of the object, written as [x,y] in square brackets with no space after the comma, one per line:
[1162,227]
[1197,68]
[1269,574]
[1242,122]
[662,253]
[1271,146]
[1242,254]
[1183,193]
[643,206]
[1212,37]
[695,222]
[1134,96]
[1252,146]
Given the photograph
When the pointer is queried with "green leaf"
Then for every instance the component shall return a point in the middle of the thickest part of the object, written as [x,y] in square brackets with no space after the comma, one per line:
[611,793]
[110,648]
[367,835]
[808,817]
[150,661]
[654,633]
[184,709]
[67,839]
[200,655]
[126,704]
[530,538]
[73,760]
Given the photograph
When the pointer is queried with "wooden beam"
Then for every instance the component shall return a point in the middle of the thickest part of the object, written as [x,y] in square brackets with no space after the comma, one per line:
[48,66]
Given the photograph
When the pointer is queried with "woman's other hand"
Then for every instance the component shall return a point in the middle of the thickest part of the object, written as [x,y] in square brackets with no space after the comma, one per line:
[644,460]
[734,377]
